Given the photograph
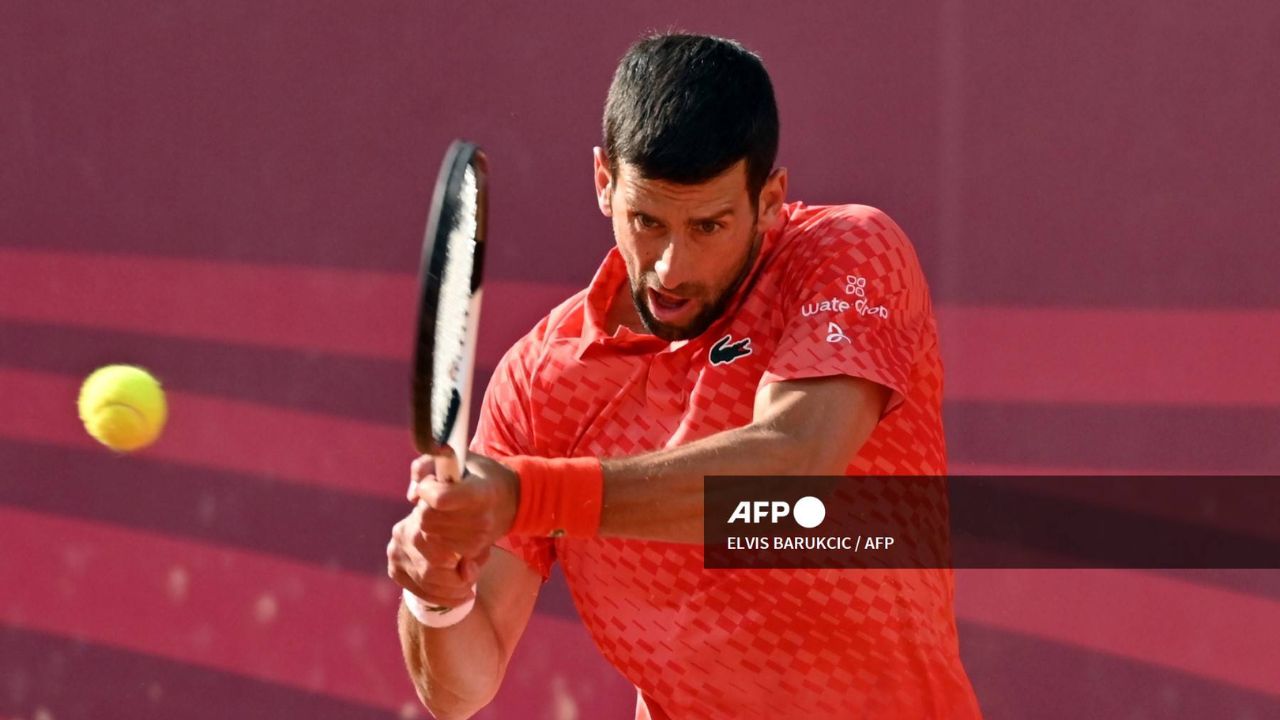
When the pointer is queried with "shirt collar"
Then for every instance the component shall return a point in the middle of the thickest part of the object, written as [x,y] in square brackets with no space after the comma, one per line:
[601,293]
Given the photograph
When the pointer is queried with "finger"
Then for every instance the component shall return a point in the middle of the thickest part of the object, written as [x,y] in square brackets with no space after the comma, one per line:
[405,532]
[445,597]
[455,496]
[440,581]
[420,467]
[437,551]
[404,561]
[464,521]
[447,496]
[467,539]
[441,574]
[469,570]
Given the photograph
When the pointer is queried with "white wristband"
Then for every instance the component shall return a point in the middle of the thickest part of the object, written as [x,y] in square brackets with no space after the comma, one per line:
[436,618]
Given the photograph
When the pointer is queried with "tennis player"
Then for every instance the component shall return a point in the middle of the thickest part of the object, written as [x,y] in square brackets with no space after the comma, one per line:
[729,332]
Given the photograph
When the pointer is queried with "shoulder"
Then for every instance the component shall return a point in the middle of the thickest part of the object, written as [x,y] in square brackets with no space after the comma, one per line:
[564,322]
[823,244]
[838,226]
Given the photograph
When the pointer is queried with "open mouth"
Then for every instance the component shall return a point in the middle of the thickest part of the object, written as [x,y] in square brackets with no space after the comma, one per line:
[665,307]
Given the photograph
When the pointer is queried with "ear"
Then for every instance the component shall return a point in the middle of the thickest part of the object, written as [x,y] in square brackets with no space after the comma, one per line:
[772,197]
[604,182]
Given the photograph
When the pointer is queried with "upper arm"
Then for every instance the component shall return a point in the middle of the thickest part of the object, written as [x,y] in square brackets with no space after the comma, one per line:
[857,304]
[828,418]
[857,313]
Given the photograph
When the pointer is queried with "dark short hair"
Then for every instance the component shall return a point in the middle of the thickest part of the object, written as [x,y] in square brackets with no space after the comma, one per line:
[685,108]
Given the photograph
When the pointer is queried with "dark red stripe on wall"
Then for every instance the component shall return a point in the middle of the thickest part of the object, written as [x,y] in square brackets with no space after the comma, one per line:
[1154,439]
[993,353]
[57,677]
[312,524]
[324,527]
[1262,583]
[1060,682]
[1006,355]
[1175,623]
[324,310]
[329,310]
[364,388]
[241,437]
[315,629]
[1111,356]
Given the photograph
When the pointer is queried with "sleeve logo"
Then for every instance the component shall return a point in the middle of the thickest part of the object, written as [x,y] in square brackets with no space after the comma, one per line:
[854,285]
[857,286]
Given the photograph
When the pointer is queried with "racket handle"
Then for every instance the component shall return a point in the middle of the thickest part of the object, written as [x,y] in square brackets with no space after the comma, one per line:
[434,616]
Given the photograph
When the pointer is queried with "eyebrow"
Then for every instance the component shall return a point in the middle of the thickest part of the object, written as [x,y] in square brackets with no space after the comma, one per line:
[716,216]
[723,213]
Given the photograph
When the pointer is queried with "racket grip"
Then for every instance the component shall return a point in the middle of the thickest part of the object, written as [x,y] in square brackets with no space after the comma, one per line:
[434,617]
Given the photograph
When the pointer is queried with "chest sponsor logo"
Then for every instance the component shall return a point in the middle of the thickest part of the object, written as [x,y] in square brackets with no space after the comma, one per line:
[725,351]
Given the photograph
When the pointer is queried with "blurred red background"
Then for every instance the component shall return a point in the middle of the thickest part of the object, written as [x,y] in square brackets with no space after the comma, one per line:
[233,196]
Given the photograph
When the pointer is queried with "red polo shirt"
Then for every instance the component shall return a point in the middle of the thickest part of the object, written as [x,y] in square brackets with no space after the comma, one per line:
[836,291]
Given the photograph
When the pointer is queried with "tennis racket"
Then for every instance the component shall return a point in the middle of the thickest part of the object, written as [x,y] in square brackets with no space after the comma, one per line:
[449,303]
[449,309]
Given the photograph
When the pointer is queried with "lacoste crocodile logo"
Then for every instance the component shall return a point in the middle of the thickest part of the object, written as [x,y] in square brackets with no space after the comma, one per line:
[725,352]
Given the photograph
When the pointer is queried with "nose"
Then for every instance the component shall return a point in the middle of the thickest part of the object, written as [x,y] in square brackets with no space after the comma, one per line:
[672,266]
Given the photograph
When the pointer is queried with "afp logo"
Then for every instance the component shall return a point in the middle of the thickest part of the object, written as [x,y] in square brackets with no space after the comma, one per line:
[808,512]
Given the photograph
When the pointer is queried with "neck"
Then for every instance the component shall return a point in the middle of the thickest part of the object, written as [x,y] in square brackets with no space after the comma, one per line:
[622,312]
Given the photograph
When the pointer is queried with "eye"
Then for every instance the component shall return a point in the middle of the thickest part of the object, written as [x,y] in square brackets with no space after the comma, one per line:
[707,227]
[644,222]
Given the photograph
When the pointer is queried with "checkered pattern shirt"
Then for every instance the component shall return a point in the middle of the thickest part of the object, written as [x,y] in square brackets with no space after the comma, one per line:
[835,291]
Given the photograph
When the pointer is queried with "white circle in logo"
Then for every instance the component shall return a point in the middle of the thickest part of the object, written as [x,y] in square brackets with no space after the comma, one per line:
[809,511]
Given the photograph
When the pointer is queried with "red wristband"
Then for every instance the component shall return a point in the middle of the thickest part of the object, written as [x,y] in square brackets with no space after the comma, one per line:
[558,496]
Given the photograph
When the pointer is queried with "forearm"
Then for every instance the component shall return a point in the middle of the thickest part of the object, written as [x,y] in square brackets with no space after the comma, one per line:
[456,670]
[804,427]
[659,495]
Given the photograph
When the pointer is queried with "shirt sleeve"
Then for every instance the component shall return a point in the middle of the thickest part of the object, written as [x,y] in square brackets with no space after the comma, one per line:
[854,301]
[504,429]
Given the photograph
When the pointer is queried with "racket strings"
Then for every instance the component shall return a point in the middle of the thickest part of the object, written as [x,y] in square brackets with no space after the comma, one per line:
[454,309]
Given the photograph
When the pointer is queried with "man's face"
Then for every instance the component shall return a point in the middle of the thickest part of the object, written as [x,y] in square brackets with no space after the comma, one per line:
[687,248]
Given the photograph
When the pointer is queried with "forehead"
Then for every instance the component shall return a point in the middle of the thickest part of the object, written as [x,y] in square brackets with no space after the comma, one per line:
[724,190]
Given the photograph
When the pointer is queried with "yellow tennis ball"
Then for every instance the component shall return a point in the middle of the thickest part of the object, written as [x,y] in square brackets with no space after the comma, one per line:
[122,407]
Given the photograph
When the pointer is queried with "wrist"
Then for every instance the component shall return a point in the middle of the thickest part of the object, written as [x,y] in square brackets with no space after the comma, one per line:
[435,617]
[557,496]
